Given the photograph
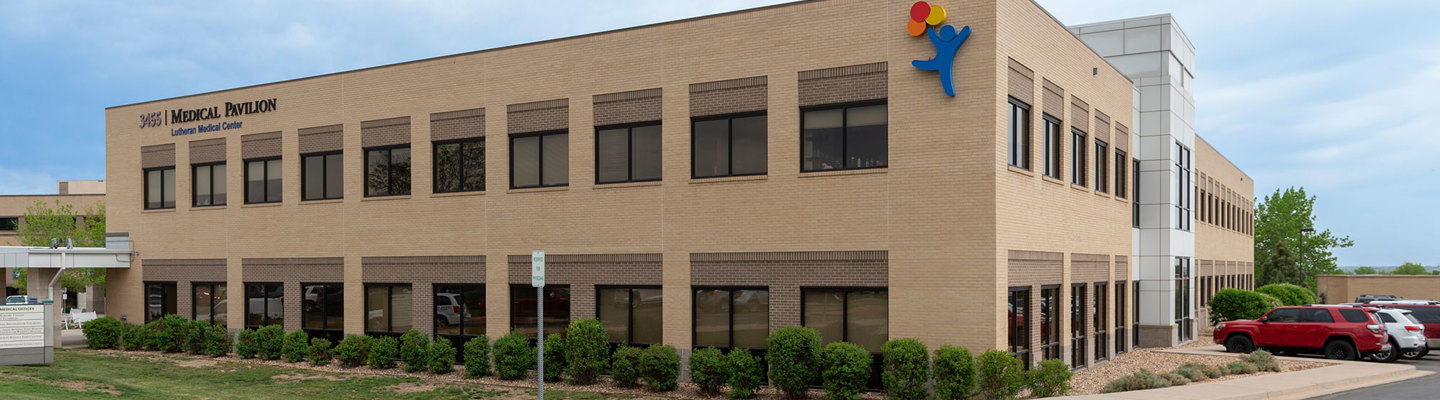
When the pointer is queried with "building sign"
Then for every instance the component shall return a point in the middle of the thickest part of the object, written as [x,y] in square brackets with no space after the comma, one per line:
[925,19]
[22,326]
[186,116]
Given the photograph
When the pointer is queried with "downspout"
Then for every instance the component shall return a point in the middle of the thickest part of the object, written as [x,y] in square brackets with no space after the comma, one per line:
[69,244]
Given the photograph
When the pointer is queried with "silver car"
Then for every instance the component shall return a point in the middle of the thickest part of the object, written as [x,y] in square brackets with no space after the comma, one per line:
[1407,335]
[18,299]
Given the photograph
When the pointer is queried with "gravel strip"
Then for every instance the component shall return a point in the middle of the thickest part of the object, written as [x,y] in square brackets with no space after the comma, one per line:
[1091,380]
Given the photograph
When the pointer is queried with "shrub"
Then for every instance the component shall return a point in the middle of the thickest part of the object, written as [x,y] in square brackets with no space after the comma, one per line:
[477,357]
[625,366]
[513,356]
[1240,368]
[708,370]
[587,350]
[1223,369]
[1210,371]
[954,373]
[319,351]
[554,357]
[133,337]
[296,347]
[1051,379]
[272,341]
[246,345]
[745,373]
[167,334]
[998,375]
[794,356]
[1233,304]
[845,369]
[1262,360]
[1190,373]
[195,334]
[353,350]
[660,367]
[1289,294]
[217,341]
[441,356]
[413,346]
[906,370]
[1137,381]
[103,333]
[383,353]
[1175,380]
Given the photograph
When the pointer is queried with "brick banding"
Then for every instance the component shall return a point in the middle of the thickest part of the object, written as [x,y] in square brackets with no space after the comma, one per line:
[538,116]
[785,273]
[583,272]
[207,151]
[452,125]
[628,107]
[422,273]
[729,96]
[322,139]
[385,132]
[260,145]
[844,84]
[160,155]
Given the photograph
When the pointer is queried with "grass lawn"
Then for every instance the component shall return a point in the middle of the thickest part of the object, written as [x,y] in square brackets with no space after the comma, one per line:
[84,374]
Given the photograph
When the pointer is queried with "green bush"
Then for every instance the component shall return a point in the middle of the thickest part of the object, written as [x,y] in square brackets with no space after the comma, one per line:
[133,337]
[1209,371]
[745,373]
[513,356]
[954,373]
[296,347]
[1137,381]
[167,334]
[1175,380]
[217,341]
[1233,304]
[1051,379]
[998,375]
[1262,360]
[246,345]
[794,356]
[1223,369]
[845,369]
[103,333]
[320,351]
[554,357]
[709,370]
[353,350]
[587,350]
[1289,294]
[1191,373]
[1240,368]
[272,341]
[477,357]
[383,353]
[625,366]
[195,334]
[906,369]
[413,346]
[660,367]
[441,356]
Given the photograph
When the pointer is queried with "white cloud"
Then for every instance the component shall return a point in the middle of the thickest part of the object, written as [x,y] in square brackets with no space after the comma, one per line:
[14,181]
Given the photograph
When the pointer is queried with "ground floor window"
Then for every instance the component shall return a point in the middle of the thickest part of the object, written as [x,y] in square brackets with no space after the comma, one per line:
[322,312]
[1077,325]
[389,308]
[1183,302]
[1019,321]
[159,300]
[1050,321]
[1119,317]
[1097,311]
[1135,312]
[631,315]
[523,310]
[459,314]
[858,316]
[264,304]
[208,303]
[731,317]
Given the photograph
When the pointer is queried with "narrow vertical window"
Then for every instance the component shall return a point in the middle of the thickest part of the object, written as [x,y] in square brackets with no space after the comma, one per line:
[1122,184]
[1078,160]
[1019,324]
[1102,168]
[1054,142]
[323,312]
[160,299]
[1050,322]
[160,188]
[387,171]
[1119,331]
[1184,195]
[1097,312]
[459,314]
[1077,325]
[1135,200]
[1019,144]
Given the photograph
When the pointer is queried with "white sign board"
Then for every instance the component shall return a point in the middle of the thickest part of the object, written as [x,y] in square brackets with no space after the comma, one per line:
[22,326]
[537,268]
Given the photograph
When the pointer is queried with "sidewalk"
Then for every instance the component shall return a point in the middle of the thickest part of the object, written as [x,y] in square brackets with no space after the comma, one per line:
[1343,375]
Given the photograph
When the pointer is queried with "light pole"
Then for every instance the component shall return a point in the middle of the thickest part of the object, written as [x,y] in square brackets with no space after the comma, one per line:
[1304,234]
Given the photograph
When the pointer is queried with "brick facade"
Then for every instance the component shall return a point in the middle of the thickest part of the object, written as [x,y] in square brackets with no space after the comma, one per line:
[463,124]
[422,273]
[729,96]
[290,272]
[207,151]
[628,107]
[785,273]
[321,139]
[160,155]
[848,84]
[385,132]
[540,116]
[260,145]
[583,272]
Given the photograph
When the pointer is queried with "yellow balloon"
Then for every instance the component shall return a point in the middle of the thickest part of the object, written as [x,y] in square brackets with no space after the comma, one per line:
[937,15]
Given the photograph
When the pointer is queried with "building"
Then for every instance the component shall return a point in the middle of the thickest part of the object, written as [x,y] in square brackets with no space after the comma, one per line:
[79,195]
[1345,288]
[698,183]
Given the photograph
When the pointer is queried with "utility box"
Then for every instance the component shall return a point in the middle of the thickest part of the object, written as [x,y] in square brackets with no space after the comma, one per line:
[27,334]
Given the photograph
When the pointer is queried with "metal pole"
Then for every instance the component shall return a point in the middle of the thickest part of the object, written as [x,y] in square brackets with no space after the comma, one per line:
[540,344]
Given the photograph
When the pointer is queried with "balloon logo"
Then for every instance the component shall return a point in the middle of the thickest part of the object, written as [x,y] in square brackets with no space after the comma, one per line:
[922,16]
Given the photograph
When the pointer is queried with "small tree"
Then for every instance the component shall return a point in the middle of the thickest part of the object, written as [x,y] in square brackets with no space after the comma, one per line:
[413,350]
[1366,271]
[587,350]
[794,355]
[477,357]
[1410,268]
[954,373]
[907,369]
[44,222]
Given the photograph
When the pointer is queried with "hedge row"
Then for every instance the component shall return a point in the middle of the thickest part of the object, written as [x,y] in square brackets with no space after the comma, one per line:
[1233,304]
[171,334]
[1258,361]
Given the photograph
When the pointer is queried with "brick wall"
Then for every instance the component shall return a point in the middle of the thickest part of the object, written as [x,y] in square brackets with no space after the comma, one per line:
[539,116]
[321,139]
[628,107]
[291,272]
[844,84]
[785,273]
[582,272]
[729,96]
[207,151]
[463,124]
[422,273]
[183,272]
[259,145]
[161,155]
[385,132]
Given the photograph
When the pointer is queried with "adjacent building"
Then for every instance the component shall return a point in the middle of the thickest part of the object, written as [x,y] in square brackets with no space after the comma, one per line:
[82,196]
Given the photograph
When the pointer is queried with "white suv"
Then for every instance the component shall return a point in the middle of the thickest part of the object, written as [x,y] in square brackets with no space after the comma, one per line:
[1407,335]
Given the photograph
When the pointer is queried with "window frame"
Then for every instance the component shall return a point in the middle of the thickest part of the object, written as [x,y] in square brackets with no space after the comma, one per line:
[539,336]
[14,228]
[1024,355]
[165,300]
[1021,157]
[540,163]
[145,194]
[844,133]
[1054,146]
[1102,166]
[1078,347]
[630,316]
[324,175]
[629,151]
[264,314]
[195,300]
[1135,198]
[435,163]
[730,138]
[389,306]
[1099,304]
[266,179]
[730,330]
[195,185]
[1118,295]
[1184,215]
[325,330]
[1079,170]
[389,170]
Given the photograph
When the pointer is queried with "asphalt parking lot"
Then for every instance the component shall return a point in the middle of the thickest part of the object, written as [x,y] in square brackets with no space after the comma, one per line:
[1425,387]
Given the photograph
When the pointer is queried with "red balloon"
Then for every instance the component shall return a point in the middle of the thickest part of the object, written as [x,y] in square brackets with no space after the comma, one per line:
[920,11]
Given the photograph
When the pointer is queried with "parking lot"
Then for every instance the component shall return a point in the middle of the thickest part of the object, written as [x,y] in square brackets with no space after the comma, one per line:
[1425,387]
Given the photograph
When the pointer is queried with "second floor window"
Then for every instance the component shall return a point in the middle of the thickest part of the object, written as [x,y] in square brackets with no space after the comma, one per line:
[387,171]
[852,137]
[1102,169]
[460,166]
[209,185]
[160,188]
[729,146]
[323,177]
[1019,134]
[1121,177]
[1077,157]
[1054,141]
[1185,197]
[627,154]
[262,181]
[540,160]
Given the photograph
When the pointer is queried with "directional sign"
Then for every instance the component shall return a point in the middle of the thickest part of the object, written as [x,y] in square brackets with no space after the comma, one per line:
[537,268]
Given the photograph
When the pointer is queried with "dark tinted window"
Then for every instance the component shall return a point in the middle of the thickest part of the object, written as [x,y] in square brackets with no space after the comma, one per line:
[1383,317]
[1321,315]
[1285,315]
[729,146]
[1354,316]
[387,171]
[627,154]
[844,138]
[9,224]
[523,309]
[460,166]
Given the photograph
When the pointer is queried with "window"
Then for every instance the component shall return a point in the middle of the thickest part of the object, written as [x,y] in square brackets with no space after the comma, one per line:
[733,145]
[9,223]
[208,183]
[459,314]
[1121,162]
[1102,169]
[460,166]
[1097,312]
[1183,306]
[160,188]
[208,303]
[1135,200]
[322,313]
[858,316]
[523,307]
[1054,142]
[1077,157]
[1357,315]
[1426,315]
[262,181]
[1019,134]
[1119,317]
[1185,198]
[1077,325]
[540,160]
[1019,321]
[160,299]
[1135,312]
[731,318]
[387,171]
[1050,322]
[324,176]
[627,154]
[1284,315]
[1321,315]
[847,137]
[388,308]
[631,315]
[264,304]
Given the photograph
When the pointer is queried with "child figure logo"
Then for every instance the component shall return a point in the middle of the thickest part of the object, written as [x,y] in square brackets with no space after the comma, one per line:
[925,19]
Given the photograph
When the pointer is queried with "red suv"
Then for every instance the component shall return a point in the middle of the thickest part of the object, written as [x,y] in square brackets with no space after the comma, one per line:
[1338,332]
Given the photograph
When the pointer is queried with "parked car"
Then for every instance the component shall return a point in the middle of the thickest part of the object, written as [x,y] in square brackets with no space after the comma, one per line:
[1337,332]
[15,299]
[1429,316]
[1366,298]
[1407,335]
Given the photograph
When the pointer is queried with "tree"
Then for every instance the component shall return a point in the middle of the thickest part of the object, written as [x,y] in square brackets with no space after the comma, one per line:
[42,223]
[1281,267]
[1409,268]
[1279,218]
[1366,271]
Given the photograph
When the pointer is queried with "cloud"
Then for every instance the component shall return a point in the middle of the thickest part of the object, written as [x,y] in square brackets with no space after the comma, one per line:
[14,181]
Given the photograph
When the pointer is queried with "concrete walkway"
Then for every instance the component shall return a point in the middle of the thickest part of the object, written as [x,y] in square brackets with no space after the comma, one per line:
[1341,376]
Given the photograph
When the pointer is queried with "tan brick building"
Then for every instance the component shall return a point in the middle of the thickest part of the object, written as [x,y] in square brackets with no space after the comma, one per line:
[699,183]
[81,196]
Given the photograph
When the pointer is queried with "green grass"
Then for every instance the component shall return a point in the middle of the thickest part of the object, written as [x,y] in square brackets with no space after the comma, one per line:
[94,372]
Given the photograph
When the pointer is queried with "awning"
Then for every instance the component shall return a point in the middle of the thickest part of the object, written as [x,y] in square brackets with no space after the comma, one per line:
[79,257]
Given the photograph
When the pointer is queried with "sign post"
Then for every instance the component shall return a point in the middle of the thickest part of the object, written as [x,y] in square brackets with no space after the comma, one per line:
[537,279]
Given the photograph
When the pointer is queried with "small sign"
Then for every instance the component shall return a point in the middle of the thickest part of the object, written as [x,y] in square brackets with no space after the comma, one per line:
[22,326]
[537,268]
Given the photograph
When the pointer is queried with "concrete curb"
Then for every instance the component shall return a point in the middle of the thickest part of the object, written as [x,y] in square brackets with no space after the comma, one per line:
[1341,376]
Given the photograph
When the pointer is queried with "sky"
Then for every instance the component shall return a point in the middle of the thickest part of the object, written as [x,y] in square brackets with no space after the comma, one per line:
[1336,96]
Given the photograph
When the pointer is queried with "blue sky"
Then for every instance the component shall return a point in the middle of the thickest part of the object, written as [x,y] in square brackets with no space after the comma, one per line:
[1335,96]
